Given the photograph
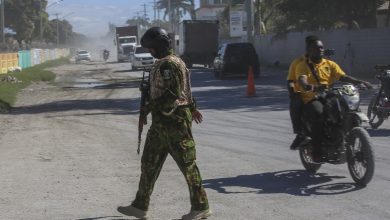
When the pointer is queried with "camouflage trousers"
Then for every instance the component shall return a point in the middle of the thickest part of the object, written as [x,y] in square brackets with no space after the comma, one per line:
[175,139]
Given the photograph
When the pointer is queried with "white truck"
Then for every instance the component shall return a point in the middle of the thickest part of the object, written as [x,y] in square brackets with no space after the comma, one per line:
[126,38]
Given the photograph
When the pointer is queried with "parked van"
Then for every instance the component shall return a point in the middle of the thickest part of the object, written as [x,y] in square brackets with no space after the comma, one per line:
[234,59]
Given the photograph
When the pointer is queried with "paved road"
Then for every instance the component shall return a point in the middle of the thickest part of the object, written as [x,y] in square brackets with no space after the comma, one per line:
[68,151]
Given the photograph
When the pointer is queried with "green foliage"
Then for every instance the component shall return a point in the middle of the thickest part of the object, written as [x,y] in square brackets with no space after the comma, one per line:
[23,16]
[281,16]
[8,90]
[308,15]
[179,8]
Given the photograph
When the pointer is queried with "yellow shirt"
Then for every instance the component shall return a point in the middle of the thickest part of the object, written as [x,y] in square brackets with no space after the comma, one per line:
[291,76]
[328,72]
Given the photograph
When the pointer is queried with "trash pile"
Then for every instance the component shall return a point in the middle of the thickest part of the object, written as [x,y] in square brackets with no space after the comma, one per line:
[10,79]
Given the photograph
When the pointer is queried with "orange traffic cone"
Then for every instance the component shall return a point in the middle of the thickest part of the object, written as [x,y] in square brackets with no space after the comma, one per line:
[251,91]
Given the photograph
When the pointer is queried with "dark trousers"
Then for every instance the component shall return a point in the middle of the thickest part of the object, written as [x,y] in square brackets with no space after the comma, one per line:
[314,114]
[296,107]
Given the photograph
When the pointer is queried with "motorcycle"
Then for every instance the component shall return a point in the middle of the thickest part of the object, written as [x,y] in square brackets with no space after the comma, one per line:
[344,140]
[106,54]
[379,107]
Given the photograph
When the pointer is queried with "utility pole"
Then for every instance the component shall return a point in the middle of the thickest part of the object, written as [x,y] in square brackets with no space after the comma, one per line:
[249,25]
[145,15]
[158,15]
[40,21]
[58,30]
[41,18]
[170,15]
[155,9]
[2,22]
[62,27]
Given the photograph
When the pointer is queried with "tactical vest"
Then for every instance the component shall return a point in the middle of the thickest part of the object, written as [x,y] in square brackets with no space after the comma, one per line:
[157,88]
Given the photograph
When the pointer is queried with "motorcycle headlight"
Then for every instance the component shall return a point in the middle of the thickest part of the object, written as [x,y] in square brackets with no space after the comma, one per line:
[352,101]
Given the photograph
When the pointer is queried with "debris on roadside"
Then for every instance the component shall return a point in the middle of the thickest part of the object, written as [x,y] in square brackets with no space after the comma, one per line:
[10,79]
[15,69]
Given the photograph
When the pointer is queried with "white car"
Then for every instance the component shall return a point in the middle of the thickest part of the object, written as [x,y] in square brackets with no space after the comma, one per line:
[141,58]
[82,55]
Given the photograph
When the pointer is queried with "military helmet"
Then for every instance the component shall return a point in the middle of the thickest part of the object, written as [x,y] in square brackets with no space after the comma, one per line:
[156,38]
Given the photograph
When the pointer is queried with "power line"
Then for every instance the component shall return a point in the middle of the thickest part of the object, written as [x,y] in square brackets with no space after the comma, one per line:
[145,15]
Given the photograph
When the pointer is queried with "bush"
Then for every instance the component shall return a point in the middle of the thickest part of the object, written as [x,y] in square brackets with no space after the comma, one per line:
[20,80]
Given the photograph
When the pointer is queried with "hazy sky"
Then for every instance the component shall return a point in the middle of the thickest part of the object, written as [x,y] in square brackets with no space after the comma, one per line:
[91,17]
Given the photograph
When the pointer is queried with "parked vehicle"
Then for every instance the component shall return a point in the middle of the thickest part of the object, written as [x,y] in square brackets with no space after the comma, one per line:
[379,107]
[82,55]
[198,41]
[344,138]
[234,59]
[141,58]
[126,38]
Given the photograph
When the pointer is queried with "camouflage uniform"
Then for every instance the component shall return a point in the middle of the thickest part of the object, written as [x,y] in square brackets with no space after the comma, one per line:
[171,104]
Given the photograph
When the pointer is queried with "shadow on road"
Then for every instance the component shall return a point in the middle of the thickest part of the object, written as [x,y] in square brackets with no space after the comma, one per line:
[231,94]
[210,93]
[293,182]
[112,218]
[112,106]
[379,132]
[106,218]
[123,71]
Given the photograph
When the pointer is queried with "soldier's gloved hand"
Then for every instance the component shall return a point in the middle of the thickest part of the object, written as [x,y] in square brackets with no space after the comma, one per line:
[197,116]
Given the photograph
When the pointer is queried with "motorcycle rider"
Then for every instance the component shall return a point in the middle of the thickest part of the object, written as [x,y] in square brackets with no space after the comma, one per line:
[106,53]
[296,104]
[314,74]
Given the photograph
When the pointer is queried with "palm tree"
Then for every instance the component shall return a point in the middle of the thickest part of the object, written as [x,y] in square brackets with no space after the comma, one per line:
[179,8]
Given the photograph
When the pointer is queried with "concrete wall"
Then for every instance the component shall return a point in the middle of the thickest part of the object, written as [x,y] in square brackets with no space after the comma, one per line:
[368,47]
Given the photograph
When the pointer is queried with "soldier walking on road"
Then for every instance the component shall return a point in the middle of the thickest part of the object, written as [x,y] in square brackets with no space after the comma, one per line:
[173,109]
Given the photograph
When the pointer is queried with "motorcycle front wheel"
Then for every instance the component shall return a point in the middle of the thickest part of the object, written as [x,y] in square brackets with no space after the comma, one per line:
[305,153]
[375,120]
[360,156]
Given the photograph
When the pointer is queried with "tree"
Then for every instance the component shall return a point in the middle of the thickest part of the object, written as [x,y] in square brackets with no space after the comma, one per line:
[22,17]
[308,15]
[139,21]
[179,8]
[362,12]
[65,31]
[269,14]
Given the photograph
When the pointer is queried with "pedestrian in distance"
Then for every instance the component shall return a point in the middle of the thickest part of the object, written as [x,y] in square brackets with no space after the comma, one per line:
[173,109]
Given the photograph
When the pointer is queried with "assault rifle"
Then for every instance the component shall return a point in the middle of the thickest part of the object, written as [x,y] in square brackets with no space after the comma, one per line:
[144,88]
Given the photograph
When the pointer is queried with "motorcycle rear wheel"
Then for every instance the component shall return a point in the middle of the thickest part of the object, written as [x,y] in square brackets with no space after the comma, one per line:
[305,153]
[375,120]
[360,156]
